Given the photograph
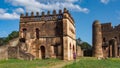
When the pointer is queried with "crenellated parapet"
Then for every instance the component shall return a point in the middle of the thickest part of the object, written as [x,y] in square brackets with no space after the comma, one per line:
[107,27]
[54,16]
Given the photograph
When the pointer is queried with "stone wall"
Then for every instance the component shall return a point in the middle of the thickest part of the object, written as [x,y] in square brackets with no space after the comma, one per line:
[80,52]
[109,33]
[3,52]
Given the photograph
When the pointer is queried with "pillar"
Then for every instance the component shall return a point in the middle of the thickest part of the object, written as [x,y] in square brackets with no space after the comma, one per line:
[97,40]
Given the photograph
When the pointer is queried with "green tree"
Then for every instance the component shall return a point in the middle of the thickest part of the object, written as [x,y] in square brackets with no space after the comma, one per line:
[86,45]
[11,36]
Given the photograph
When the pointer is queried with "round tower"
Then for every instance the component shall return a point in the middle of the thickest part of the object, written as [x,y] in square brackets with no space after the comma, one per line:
[97,40]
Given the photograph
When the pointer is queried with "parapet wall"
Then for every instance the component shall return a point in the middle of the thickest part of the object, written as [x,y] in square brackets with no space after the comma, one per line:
[107,27]
[46,17]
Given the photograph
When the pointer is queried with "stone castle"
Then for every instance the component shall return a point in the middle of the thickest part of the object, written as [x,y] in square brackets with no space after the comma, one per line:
[48,35]
[106,40]
[53,35]
[41,36]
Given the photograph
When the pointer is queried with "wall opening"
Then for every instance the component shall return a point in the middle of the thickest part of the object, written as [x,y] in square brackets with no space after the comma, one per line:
[42,48]
[37,33]
[24,32]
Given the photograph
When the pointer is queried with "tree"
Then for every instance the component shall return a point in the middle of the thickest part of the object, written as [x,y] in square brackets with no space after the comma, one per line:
[11,36]
[85,45]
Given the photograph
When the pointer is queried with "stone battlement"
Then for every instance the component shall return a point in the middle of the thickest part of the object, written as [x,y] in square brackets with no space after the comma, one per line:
[46,17]
[109,27]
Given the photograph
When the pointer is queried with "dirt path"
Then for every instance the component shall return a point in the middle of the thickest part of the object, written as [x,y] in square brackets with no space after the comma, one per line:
[62,64]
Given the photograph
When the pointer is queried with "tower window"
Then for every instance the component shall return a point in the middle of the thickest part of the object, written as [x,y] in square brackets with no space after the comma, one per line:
[37,33]
[104,40]
[24,32]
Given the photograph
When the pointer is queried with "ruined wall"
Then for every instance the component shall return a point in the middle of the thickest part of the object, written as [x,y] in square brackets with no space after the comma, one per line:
[3,52]
[108,33]
[79,51]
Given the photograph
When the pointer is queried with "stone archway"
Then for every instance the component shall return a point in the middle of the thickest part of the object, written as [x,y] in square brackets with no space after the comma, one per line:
[73,48]
[42,48]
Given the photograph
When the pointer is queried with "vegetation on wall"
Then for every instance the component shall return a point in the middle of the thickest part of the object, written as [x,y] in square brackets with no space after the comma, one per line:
[12,35]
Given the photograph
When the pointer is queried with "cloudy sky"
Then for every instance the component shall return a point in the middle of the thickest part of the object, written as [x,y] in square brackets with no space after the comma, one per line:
[84,13]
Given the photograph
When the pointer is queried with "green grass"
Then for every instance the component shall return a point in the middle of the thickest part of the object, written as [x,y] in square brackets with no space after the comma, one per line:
[15,63]
[94,63]
[86,62]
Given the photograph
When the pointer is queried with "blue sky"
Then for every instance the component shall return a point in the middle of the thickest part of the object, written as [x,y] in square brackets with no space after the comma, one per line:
[84,13]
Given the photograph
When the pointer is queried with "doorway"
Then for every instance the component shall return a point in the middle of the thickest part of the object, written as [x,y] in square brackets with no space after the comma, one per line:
[42,48]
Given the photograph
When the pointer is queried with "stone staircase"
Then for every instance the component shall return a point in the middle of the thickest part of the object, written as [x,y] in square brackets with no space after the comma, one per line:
[15,51]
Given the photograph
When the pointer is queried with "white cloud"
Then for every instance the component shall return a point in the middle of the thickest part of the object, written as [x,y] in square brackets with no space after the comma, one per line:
[19,10]
[5,15]
[2,11]
[104,1]
[39,5]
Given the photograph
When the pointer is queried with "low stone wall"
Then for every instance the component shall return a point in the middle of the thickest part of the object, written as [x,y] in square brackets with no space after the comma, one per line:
[12,52]
[25,56]
[80,52]
[3,52]
[17,53]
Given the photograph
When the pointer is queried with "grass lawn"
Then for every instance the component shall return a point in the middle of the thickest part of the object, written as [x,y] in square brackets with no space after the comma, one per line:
[14,63]
[94,63]
[85,62]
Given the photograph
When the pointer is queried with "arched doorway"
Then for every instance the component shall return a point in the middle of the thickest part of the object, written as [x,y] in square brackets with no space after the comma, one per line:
[42,48]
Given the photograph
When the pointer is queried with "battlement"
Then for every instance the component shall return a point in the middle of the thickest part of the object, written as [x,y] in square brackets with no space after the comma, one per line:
[46,17]
[107,27]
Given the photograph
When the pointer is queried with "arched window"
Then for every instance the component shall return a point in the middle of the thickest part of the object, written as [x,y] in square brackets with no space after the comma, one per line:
[70,46]
[37,33]
[119,37]
[24,32]
[115,37]
[73,48]
[104,40]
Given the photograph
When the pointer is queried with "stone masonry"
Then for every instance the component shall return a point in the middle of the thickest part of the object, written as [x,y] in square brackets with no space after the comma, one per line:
[97,41]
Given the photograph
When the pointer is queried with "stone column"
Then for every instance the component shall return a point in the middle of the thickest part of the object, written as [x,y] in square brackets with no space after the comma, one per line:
[110,50]
[115,47]
[97,40]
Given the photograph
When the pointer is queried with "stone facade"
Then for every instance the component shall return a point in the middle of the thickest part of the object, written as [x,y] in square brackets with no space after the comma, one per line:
[48,35]
[108,38]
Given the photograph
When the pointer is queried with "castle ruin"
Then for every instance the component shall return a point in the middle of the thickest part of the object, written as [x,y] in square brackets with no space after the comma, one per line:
[110,37]
[48,35]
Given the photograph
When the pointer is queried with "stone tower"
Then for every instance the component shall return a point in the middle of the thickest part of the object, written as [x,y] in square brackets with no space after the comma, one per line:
[97,40]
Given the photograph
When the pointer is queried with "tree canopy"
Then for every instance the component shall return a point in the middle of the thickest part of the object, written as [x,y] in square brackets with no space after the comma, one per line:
[82,44]
[12,35]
